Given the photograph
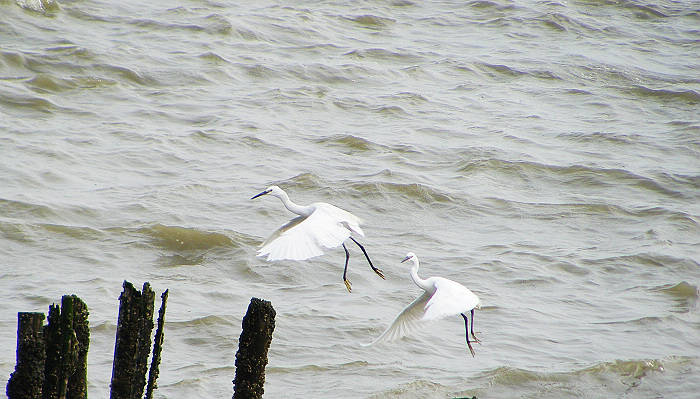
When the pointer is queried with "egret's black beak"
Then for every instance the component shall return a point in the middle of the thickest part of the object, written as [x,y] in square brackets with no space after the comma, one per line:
[261,194]
[407,258]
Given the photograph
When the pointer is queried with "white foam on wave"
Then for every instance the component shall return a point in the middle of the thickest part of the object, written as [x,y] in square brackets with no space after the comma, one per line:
[38,5]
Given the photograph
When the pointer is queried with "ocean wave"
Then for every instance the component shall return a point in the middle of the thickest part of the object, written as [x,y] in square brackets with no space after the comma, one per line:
[642,11]
[414,191]
[305,181]
[176,238]
[417,389]
[555,211]
[384,55]
[27,102]
[213,24]
[127,75]
[645,259]
[372,21]
[320,73]
[684,294]
[603,138]
[690,97]
[44,82]
[38,5]
[213,57]
[604,379]
[210,321]
[577,175]
[78,232]
[682,290]
[80,69]
[499,69]
[354,365]
[25,210]
[48,83]
[350,142]
[365,189]
[28,222]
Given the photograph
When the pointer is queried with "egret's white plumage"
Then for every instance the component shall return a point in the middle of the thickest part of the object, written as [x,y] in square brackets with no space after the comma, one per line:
[319,225]
[441,298]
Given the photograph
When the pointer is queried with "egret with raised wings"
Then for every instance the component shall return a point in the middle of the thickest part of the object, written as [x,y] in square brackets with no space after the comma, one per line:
[318,225]
[442,298]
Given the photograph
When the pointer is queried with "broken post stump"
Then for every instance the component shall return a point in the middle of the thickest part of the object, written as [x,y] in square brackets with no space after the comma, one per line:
[52,359]
[56,353]
[251,358]
[77,382]
[157,348]
[27,379]
[133,342]
[67,338]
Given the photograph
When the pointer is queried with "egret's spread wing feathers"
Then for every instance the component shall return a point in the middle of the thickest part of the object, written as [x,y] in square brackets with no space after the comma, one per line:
[285,243]
[305,237]
[407,322]
[450,298]
[275,234]
[327,226]
[335,215]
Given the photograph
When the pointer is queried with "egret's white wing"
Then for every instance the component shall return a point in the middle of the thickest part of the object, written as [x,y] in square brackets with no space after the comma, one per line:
[304,237]
[286,243]
[450,298]
[331,226]
[340,216]
[275,234]
[407,322]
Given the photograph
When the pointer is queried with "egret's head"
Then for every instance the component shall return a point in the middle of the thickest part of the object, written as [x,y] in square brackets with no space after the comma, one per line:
[409,255]
[274,190]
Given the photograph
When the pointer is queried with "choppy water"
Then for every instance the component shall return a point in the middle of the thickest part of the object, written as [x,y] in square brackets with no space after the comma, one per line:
[544,153]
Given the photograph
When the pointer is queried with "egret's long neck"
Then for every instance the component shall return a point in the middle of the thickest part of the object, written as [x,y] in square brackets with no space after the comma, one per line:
[416,279]
[294,208]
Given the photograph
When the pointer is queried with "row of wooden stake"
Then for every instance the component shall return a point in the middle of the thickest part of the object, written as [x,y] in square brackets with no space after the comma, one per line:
[52,358]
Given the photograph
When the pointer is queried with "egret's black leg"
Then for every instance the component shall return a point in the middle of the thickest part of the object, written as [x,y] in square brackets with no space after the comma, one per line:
[379,272]
[466,327]
[345,271]
[474,336]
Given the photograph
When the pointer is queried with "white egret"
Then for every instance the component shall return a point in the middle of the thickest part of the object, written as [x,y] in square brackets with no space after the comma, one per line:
[318,225]
[442,298]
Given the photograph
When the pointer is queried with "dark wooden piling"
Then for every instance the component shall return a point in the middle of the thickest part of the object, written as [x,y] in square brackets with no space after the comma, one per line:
[251,358]
[52,359]
[77,382]
[52,335]
[157,348]
[133,342]
[67,339]
[27,379]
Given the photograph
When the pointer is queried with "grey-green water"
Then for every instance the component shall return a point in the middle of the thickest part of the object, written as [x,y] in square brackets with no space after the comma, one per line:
[546,154]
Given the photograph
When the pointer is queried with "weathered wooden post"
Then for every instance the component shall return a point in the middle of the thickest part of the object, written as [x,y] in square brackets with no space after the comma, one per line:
[27,379]
[157,348]
[77,382]
[251,358]
[133,342]
[52,359]
[67,338]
